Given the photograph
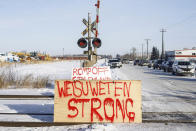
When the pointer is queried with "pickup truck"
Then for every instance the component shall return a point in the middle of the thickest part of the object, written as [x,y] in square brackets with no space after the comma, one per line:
[113,63]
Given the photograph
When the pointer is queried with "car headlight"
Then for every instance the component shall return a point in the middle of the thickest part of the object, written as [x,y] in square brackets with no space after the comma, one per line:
[191,66]
[179,69]
[179,66]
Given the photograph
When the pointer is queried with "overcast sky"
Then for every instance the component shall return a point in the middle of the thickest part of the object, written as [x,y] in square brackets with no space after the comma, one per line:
[51,25]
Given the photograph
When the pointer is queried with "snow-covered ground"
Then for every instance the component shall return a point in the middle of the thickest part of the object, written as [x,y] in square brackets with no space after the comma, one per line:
[55,71]
[161,92]
[110,127]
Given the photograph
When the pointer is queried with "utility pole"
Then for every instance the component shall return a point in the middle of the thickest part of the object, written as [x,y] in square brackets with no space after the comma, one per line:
[163,51]
[130,54]
[63,53]
[147,47]
[142,51]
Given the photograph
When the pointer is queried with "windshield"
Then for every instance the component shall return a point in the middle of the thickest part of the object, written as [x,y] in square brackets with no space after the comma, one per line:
[159,61]
[184,63]
[113,60]
[171,63]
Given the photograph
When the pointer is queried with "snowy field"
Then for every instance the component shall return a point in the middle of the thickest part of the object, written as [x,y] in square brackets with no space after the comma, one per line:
[55,71]
[161,92]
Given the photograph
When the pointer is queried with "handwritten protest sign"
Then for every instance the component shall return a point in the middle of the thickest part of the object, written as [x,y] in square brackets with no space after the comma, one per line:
[83,101]
[91,73]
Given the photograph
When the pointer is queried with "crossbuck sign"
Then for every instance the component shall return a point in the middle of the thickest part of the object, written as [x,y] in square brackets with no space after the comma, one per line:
[91,26]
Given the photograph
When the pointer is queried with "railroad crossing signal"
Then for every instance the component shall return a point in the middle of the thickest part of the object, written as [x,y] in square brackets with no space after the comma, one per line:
[82,43]
[91,26]
[96,42]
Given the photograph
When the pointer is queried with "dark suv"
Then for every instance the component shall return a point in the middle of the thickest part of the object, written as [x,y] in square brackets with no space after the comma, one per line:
[168,66]
[136,62]
[157,64]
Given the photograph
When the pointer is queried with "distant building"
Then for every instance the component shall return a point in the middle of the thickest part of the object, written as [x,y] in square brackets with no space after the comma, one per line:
[3,57]
[185,54]
[9,57]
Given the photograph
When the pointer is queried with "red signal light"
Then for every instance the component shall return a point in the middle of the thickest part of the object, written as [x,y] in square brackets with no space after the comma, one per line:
[96,42]
[82,43]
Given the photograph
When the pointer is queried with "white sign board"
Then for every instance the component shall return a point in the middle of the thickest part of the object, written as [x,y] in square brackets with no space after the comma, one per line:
[91,73]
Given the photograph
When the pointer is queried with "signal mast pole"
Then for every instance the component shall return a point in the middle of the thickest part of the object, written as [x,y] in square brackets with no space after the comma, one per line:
[89,37]
[86,41]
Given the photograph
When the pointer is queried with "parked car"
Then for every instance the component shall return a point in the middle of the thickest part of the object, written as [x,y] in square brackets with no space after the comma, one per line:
[163,64]
[136,62]
[183,68]
[194,61]
[157,64]
[113,63]
[168,66]
[125,61]
[151,62]
[143,63]
[131,62]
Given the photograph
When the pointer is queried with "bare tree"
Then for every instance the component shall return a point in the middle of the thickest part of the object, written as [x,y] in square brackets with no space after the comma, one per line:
[133,53]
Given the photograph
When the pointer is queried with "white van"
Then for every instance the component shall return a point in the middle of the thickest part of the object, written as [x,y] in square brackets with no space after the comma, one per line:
[3,57]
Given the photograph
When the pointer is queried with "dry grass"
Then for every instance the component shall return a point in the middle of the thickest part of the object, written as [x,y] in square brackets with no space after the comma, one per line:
[2,64]
[40,82]
[5,64]
[3,83]
[10,78]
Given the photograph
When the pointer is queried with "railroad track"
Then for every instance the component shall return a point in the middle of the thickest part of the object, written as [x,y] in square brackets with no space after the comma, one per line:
[37,97]
[48,124]
[26,97]
[148,117]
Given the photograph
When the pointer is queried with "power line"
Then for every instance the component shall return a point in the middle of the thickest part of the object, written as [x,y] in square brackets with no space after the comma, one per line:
[183,20]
